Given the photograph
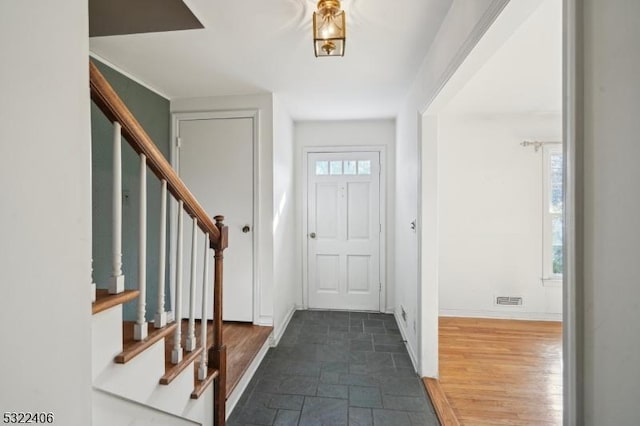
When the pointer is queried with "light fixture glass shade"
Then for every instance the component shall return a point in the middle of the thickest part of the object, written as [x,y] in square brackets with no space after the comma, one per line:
[329,33]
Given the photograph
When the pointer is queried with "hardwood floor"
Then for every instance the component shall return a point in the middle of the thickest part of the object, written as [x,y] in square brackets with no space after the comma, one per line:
[243,341]
[440,402]
[502,372]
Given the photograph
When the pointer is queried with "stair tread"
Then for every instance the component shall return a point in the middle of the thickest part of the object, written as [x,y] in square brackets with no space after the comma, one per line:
[201,385]
[173,370]
[104,300]
[133,348]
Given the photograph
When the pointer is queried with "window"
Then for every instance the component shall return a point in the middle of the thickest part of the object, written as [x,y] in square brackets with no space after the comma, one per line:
[553,216]
[350,167]
[339,167]
[335,167]
[364,167]
[322,168]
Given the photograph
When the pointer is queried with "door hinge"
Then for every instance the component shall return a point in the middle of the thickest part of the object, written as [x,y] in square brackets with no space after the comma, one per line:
[380,288]
[380,230]
[178,142]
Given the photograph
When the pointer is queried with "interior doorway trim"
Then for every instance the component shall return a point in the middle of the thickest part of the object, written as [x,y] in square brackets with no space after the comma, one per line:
[572,301]
[303,177]
[572,311]
[254,115]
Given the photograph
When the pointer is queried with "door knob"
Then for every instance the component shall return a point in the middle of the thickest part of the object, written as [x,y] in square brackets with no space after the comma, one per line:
[246,229]
[312,235]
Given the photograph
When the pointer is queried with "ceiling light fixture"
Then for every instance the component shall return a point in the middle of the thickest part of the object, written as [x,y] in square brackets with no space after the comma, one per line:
[329,29]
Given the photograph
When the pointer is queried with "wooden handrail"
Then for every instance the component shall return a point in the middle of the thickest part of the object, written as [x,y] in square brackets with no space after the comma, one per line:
[112,106]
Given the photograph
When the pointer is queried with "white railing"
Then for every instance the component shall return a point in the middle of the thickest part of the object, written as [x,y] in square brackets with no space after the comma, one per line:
[116,284]
[140,329]
[202,370]
[191,329]
[161,313]
[176,353]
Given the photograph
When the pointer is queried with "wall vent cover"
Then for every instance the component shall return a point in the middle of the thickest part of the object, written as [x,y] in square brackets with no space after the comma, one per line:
[508,301]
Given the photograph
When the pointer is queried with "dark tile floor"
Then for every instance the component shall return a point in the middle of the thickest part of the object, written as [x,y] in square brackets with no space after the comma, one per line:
[336,368]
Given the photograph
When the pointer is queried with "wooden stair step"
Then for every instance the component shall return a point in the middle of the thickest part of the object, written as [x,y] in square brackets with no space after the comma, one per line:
[444,411]
[173,370]
[201,385]
[133,348]
[243,341]
[104,300]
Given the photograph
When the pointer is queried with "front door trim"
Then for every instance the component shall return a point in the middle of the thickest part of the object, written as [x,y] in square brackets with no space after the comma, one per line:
[382,152]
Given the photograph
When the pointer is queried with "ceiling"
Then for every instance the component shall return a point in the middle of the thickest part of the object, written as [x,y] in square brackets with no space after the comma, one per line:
[254,46]
[524,75]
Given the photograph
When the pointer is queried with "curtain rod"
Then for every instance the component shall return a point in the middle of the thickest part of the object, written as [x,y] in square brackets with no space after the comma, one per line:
[539,144]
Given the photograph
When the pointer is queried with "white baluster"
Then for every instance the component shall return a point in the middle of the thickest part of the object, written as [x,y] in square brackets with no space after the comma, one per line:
[140,328]
[116,283]
[176,354]
[202,370]
[191,330]
[93,284]
[161,314]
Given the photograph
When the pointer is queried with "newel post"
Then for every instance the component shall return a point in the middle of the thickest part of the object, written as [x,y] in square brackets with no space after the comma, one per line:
[218,352]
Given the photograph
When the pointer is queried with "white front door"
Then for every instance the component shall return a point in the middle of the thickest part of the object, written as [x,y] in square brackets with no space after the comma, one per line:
[215,160]
[343,230]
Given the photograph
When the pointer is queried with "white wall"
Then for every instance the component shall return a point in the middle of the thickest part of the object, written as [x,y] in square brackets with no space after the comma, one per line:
[110,409]
[464,25]
[286,263]
[611,229]
[491,215]
[264,104]
[45,220]
[353,133]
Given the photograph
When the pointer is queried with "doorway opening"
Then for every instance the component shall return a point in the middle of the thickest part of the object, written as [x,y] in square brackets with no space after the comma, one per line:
[492,222]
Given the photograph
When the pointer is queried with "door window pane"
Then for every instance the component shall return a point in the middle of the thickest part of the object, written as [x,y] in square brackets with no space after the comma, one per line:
[364,167]
[335,167]
[350,167]
[322,168]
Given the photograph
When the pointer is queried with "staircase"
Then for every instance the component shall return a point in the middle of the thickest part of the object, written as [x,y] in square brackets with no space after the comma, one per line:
[142,372]
[166,371]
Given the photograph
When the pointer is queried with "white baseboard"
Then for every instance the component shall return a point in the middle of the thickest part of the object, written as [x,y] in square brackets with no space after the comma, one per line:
[265,321]
[277,334]
[523,316]
[233,399]
[410,349]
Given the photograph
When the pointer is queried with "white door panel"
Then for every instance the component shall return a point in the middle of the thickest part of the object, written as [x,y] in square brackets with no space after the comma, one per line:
[358,213]
[215,161]
[327,214]
[343,205]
